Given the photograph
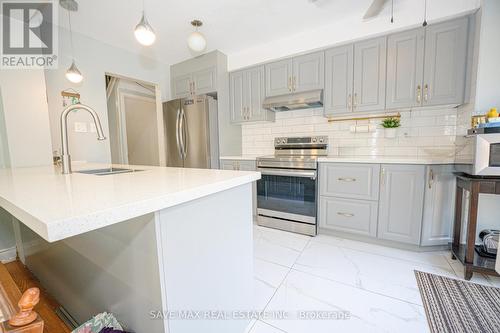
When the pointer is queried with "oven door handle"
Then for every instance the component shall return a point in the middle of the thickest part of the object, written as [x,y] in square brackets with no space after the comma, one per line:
[288,173]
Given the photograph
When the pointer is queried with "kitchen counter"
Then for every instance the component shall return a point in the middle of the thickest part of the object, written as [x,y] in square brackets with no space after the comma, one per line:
[58,206]
[139,243]
[386,160]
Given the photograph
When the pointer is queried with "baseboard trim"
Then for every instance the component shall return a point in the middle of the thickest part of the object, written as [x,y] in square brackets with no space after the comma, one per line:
[8,255]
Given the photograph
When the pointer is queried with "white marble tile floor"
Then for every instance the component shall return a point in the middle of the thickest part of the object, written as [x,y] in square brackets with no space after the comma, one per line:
[328,284]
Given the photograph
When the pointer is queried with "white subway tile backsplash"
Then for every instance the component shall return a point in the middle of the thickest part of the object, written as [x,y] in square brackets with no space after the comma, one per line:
[423,133]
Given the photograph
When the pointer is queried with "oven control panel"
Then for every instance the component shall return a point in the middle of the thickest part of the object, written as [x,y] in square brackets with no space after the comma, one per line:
[301,141]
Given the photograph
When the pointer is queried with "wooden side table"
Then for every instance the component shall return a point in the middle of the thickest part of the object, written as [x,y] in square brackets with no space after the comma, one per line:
[467,255]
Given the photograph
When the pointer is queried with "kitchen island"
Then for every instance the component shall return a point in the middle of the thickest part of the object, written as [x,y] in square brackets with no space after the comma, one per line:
[157,246]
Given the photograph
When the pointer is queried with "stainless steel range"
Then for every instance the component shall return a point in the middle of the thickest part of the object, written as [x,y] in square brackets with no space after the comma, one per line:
[287,191]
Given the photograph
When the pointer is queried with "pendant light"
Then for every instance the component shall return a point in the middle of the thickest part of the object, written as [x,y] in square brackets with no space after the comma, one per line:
[196,40]
[425,14]
[392,11]
[143,31]
[72,74]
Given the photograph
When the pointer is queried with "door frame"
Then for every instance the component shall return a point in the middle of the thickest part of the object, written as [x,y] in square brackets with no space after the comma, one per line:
[159,113]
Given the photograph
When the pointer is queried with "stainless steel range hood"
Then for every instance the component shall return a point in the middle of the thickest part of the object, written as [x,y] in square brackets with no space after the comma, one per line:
[302,100]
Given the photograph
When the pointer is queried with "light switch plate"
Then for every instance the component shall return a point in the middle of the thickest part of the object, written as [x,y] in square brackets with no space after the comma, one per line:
[81,127]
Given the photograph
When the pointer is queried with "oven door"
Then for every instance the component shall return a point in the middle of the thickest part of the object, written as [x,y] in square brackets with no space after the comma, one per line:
[487,155]
[287,194]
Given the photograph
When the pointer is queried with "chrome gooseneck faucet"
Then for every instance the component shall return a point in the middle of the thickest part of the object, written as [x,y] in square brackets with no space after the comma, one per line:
[65,158]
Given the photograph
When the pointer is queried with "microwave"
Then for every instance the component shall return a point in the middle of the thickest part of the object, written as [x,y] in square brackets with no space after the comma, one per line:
[485,158]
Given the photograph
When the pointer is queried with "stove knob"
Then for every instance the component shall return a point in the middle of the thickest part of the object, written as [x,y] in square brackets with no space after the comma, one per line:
[314,140]
[283,141]
[321,140]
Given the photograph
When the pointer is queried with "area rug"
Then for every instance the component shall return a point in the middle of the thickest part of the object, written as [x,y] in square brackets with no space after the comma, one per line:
[459,306]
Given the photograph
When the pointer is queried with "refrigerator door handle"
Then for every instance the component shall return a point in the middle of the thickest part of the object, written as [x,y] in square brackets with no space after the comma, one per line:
[177,132]
[184,134]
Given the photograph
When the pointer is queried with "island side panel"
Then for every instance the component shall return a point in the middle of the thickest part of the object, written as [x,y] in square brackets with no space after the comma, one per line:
[207,259]
[112,269]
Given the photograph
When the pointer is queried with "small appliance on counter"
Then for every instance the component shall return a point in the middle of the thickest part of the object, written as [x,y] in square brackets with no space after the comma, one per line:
[489,246]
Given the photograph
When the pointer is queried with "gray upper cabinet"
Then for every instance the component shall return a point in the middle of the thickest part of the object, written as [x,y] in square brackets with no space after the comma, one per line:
[302,73]
[205,81]
[247,95]
[438,205]
[338,80]
[181,86]
[445,62]
[369,75]
[308,72]
[401,203]
[405,66]
[236,88]
[279,78]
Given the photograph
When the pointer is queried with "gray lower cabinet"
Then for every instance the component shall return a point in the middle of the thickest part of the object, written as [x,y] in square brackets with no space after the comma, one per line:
[369,75]
[405,68]
[438,205]
[401,203]
[338,80]
[355,181]
[445,62]
[246,96]
[348,215]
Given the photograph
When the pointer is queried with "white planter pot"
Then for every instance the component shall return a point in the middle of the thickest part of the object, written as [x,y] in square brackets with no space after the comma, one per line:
[390,133]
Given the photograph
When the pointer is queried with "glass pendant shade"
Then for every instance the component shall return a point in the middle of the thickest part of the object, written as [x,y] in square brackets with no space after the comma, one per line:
[73,74]
[197,42]
[144,33]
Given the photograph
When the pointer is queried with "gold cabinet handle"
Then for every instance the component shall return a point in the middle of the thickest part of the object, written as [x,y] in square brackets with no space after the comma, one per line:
[345,214]
[346,179]
[294,84]
[431,178]
[426,92]
[355,102]
[290,83]
[382,180]
[349,102]
[419,94]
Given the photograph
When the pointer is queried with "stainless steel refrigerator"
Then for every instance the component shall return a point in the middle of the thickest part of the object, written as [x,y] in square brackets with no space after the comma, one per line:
[191,132]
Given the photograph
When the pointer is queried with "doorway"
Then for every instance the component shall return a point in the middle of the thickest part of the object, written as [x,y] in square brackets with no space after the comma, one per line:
[133,121]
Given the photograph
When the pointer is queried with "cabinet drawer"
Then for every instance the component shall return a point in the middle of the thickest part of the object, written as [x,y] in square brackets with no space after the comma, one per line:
[354,216]
[357,181]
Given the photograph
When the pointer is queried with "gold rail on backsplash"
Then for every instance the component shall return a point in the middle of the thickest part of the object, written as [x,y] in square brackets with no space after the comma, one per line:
[379,116]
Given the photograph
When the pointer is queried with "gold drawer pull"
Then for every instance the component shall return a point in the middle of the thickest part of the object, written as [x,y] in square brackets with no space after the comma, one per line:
[345,214]
[346,179]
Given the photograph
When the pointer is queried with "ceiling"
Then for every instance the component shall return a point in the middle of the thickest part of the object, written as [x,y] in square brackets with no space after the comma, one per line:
[229,25]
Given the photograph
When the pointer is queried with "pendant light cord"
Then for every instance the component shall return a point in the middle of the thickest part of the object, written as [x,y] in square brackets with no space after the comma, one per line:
[425,13]
[71,35]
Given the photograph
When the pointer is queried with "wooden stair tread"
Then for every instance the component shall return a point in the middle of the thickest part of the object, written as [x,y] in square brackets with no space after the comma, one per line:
[22,279]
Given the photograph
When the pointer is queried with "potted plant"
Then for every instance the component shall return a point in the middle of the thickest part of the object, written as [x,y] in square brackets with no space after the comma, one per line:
[390,126]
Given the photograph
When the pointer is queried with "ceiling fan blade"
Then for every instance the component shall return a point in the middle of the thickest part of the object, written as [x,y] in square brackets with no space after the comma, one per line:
[375,8]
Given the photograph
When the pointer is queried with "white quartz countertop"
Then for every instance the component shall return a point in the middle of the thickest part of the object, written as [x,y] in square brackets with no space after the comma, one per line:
[385,160]
[57,206]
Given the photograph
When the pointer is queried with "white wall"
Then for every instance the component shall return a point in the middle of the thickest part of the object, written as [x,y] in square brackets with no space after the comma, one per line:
[24,106]
[407,14]
[94,59]
[488,72]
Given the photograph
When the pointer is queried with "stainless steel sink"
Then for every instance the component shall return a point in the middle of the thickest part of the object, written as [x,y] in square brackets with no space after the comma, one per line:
[107,171]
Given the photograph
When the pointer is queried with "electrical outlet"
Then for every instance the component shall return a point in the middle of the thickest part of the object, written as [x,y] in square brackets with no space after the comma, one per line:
[81,127]
[92,127]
